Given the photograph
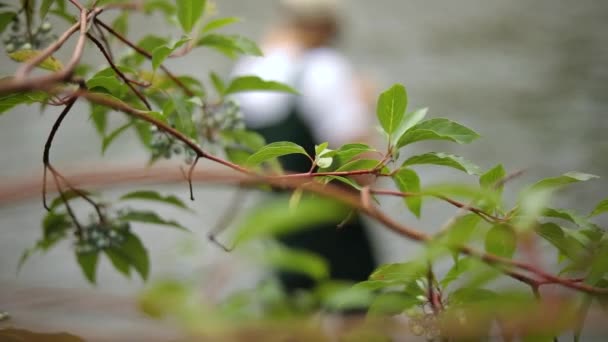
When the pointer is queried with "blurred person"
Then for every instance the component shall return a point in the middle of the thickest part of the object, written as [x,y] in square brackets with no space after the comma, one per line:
[332,106]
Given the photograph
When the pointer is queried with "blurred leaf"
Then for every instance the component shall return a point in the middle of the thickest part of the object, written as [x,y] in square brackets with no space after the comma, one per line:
[134,251]
[148,217]
[254,83]
[438,129]
[491,177]
[119,261]
[50,63]
[461,230]
[230,45]
[567,215]
[407,180]
[458,269]
[5,19]
[162,52]
[275,150]
[392,303]
[274,217]
[218,23]
[501,240]
[531,204]
[403,272]
[121,23]
[55,227]
[555,235]
[601,208]
[155,197]
[44,8]
[99,115]
[445,159]
[166,297]
[218,83]
[342,296]
[298,261]
[68,195]
[107,140]
[391,107]
[9,101]
[165,6]
[555,183]
[374,285]
[599,264]
[189,12]
[359,164]
[110,83]
[471,295]
[409,120]
[88,264]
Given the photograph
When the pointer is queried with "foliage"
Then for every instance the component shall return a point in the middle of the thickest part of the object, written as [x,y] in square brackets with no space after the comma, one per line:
[176,116]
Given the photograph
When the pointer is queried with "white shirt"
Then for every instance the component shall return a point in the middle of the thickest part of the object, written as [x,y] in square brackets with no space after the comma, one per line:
[328,100]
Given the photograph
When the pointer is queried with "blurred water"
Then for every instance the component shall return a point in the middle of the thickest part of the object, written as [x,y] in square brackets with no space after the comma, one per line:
[530,76]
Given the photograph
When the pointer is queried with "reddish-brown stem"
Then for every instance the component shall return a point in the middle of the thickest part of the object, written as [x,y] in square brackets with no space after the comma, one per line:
[118,72]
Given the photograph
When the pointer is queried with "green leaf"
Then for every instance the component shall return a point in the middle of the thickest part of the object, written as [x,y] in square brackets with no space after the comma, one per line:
[403,272]
[68,195]
[148,217]
[119,261]
[107,140]
[599,264]
[189,12]
[162,52]
[298,261]
[391,107]
[88,264]
[44,8]
[566,245]
[254,83]
[274,150]
[274,217]
[567,215]
[9,101]
[501,240]
[460,267]
[155,197]
[50,63]
[112,84]
[444,159]
[491,177]
[165,6]
[231,45]
[121,23]
[218,23]
[5,19]
[392,303]
[601,208]
[99,116]
[133,250]
[218,83]
[555,183]
[461,230]
[359,164]
[342,296]
[438,129]
[409,120]
[407,180]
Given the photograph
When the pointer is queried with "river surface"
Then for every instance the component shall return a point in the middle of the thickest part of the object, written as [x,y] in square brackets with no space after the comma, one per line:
[530,76]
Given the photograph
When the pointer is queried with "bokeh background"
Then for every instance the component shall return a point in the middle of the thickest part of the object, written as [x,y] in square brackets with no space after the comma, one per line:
[530,76]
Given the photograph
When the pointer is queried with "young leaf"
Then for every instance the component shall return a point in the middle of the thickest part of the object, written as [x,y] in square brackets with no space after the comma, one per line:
[391,107]
[189,12]
[275,218]
[162,52]
[490,179]
[407,180]
[601,208]
[438,129]
[218,83]
[9,101]
[254,83]
[438,158]
[219,23]
[50,63]
[555,183]
[155,197]
[409,120]
[88,264]
[112,136]
[403,272]
[501,240]
[274,150]
[230,45]
[149,217]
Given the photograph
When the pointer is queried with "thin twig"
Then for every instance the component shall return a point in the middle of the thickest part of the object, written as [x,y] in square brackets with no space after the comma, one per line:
[190,177]
[227,217]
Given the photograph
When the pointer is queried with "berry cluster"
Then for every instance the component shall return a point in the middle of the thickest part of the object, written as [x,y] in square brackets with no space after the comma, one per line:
[225,117]
[97,236]
[165,146]
[19,39]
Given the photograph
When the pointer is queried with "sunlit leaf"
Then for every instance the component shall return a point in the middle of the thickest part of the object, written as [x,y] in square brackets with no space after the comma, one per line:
[254,83]
[438,129]
[407,180]
[218,23]
[391,107]
[409,120]
[50,63]
[445,159]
